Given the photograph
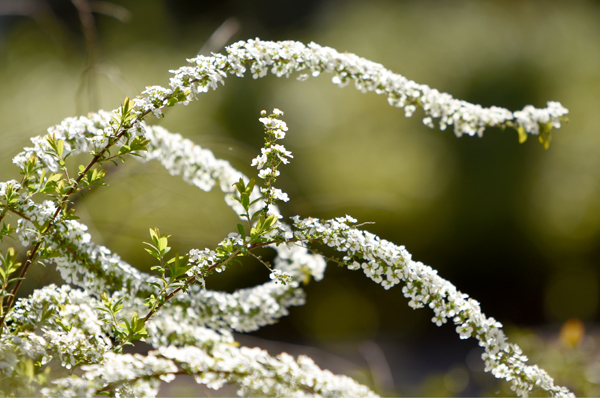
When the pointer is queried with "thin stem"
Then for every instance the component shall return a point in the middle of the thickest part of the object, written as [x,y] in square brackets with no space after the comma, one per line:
[259,258]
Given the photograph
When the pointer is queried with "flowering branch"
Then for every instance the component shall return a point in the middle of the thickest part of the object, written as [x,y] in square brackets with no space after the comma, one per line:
[65,188]
[255,371]
[388,265]
[88,329]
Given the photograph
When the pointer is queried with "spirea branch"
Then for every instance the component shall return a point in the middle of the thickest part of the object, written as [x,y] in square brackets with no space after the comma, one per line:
[189,326]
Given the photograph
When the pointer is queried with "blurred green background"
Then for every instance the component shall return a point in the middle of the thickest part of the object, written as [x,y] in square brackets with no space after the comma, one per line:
[515,226]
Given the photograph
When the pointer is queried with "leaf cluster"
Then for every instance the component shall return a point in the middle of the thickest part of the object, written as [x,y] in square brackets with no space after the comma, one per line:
[172,272]
[9,266]
[125,331]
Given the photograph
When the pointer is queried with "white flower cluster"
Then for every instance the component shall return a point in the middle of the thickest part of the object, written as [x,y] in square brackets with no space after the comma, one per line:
[259,374]
[80,134]
[88,265]
[68,324]
[213,359]
[244,310]
[286,57]
[272,155]
[15,347]
[35,213]
[4,186]
[530,118]
[278,151]
[153,99]
[297,261]
[142,375]
[176,326]
[282,277]
[82,340]
[252,369]
[388,264]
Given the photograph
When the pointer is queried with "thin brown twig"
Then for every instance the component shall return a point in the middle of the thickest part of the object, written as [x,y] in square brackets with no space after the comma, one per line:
[259,258]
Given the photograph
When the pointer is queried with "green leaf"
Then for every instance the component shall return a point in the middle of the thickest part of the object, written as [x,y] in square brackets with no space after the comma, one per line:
[124,150]
[250,186]
[6,230]
[30,166]
[150,301]
[255,200]
[47,313]
[126,104]
[162,244]
[9,265]
[245,200]
[257,214]
[159,285]
[125,111]
[60,148]
[269,222]
[172,101]
[117,306]
[69,214]
[12,280]
[240,186]
[95,176]
[25,368]
[522,134]
[138,144]
[221,252]
[57,146]
[544,136]
[178,266]
[153,253]
[154,234]
[241,231]
[135,328]
[55,177]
